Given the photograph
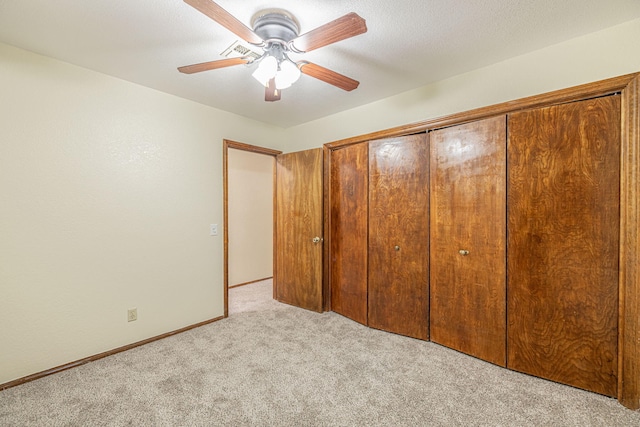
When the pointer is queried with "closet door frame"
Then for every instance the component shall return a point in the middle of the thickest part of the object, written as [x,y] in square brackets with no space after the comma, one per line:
[629,280]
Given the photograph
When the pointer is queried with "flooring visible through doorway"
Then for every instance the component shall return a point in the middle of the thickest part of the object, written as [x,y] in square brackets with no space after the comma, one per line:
[253,297]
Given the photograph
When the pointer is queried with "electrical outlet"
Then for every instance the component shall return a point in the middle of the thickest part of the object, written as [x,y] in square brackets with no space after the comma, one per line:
[213,229]
[132,314]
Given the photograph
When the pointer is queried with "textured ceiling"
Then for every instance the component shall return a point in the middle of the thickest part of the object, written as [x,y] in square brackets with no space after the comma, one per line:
[410,43]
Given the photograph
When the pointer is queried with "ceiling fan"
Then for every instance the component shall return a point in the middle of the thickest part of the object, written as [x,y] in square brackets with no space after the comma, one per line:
[276,32]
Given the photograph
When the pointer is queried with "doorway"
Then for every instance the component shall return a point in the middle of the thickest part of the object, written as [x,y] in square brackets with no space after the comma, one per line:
[248,181]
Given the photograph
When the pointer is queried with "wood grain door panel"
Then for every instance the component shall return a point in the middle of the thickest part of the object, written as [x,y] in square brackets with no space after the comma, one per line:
[299,218]
[348,218]
[468,195]
[398,295]
[563,242]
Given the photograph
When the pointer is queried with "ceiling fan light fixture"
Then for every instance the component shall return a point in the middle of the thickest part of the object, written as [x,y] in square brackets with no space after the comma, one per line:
[276,31]
[288,74]
[266,70]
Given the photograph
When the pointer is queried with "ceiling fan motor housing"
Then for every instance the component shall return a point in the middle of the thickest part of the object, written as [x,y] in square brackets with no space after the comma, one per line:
[275,27]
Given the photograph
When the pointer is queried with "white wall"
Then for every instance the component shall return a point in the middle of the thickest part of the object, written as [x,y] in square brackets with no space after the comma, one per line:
[107,190]
[604,54]
[250,204]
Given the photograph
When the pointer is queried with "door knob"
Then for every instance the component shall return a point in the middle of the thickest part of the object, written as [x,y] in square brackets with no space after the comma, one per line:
[397,248]
[463,252]
[316,239]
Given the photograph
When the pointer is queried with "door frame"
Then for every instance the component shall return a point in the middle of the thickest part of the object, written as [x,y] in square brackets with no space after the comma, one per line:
[226,144]
[629,280]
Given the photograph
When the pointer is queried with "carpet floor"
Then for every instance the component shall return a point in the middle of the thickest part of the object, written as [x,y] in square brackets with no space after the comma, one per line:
[270,364]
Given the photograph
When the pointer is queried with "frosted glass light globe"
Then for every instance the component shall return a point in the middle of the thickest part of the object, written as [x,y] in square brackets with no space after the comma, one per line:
[288,74]
[266,70]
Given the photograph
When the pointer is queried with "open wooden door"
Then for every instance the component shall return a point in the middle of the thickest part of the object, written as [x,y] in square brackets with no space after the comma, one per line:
[299,229]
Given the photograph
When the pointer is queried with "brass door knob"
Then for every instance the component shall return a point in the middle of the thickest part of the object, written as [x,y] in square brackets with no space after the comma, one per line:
[397,248]
[463,252]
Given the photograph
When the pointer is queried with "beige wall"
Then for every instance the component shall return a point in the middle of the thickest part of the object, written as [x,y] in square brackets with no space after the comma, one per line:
[250,216]
[107,190]
[608,53]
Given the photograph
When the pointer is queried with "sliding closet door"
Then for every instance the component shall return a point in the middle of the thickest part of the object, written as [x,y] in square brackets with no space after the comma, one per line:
[563,242]
[299,224]
[348,218]
[468,226]
[399,235]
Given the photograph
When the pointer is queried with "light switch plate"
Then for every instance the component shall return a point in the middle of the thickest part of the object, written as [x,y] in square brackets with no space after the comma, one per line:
[213,229]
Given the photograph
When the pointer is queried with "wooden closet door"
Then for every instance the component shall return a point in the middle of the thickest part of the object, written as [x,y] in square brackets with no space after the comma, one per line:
[563,242]
[399,235]
[348,233]
[468,226]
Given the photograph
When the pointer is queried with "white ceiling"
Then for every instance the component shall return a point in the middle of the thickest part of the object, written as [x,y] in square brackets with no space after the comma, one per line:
[409,44]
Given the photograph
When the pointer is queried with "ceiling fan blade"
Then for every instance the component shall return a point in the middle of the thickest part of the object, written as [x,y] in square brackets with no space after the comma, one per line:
[227,20]
[329,76]
[271,93]
[349,25]
[212,65]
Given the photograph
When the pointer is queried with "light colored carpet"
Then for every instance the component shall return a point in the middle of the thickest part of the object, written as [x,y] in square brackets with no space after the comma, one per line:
[270,364]
[253,297]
